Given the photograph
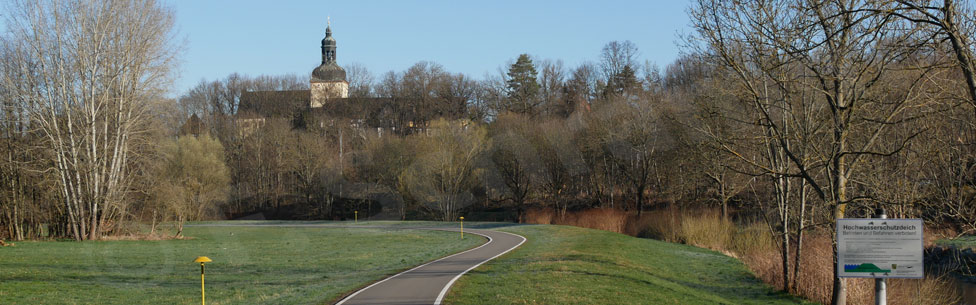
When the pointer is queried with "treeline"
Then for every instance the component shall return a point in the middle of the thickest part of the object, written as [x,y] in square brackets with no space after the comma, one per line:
[584,136]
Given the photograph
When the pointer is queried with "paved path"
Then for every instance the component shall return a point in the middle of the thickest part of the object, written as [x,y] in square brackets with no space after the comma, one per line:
[428,283]
[425,284]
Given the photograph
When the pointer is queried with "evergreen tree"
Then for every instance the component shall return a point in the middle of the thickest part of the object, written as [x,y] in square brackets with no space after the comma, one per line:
[624,82]
[523,89]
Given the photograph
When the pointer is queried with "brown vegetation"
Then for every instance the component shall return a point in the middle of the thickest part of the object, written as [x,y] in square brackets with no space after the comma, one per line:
[755,246]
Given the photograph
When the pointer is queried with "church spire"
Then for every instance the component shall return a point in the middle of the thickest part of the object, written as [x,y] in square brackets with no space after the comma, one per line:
[328,45]
[328,79]
[329,70]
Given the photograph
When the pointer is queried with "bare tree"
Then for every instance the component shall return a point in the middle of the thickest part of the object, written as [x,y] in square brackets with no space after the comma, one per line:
[615,56]
[562,164]
[360,80]
[951,21]
[85,71]
[490,98]
[423,84]
[580,89]
[381,162]
[442,176]
[513,153]
[390,85]
[306,159]
[551,80]
[195,179]
[630,136]
[824,60]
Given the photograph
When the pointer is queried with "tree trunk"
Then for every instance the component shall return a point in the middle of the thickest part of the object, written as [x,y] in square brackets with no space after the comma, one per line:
[179,226]
[961,47]
[799,234]
[152,228]
[839,296]
[640,200]
[784,189]
[725,208]
[786,258]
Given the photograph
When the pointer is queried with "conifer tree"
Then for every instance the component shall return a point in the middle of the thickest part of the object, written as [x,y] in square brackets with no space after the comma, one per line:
[523,89]
[624,82]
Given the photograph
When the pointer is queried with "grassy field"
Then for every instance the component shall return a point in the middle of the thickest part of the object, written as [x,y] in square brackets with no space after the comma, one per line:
[570,265]
[252,265]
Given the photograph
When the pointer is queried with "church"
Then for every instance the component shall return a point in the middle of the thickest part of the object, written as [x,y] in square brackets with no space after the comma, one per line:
[327,102]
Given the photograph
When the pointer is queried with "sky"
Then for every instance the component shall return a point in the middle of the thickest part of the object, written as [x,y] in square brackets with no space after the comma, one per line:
[261,37]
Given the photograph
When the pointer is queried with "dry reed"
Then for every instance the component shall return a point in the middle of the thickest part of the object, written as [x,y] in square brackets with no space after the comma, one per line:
[758,248]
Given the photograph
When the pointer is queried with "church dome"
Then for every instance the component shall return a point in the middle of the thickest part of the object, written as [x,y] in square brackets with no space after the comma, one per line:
[328,41]
[329,72]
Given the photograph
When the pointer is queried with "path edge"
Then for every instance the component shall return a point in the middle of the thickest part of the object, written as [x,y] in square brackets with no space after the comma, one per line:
[440,297]
[490,240]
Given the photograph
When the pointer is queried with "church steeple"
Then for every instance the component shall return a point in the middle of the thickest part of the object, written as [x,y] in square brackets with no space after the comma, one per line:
[328,46]
[329,70]
[328,79]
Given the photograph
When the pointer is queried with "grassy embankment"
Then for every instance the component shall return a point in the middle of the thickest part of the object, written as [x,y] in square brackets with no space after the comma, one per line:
[570,265]
[758,249]
[252,265]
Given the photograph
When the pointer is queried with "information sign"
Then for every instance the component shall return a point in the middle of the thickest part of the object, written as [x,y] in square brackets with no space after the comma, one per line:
[879,248]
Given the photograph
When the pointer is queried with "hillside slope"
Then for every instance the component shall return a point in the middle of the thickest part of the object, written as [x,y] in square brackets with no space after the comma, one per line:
[571,265]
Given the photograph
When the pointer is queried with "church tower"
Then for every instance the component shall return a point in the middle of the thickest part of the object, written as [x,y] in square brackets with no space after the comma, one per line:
[328,79]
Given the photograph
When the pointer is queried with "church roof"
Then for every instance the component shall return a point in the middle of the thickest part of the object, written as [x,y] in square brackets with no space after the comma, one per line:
[328,36]
[193,126]
[274,103]
[329,72]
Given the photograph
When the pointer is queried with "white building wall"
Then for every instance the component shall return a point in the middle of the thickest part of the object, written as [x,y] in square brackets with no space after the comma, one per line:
[322,91]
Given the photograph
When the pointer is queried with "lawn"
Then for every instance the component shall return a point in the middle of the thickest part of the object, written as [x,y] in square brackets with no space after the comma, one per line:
[252,265]
[570,265]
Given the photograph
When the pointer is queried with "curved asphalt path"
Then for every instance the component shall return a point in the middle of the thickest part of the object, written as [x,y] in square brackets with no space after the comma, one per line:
[428,283]
[424,284]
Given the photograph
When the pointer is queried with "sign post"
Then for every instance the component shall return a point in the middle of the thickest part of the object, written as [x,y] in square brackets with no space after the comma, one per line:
[880,248]
[881,284]
[462,227]
[203,294]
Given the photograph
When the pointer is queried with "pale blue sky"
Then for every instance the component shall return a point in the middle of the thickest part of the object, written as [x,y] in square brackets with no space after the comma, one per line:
[255,37]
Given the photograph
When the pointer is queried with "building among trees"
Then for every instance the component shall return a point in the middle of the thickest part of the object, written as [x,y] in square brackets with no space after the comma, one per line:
[328,101]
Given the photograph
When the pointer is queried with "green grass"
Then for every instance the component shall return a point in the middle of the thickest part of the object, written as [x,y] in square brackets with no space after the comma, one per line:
[962,242]
[570,265]
[252,265]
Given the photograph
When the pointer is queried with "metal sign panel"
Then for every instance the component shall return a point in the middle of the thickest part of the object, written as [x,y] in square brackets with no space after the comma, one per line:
[880,248]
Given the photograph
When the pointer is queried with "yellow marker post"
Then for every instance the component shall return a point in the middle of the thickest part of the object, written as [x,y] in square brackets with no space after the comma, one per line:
[201,260]
[462,227]
[357,216]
